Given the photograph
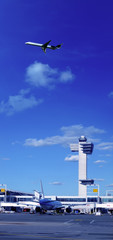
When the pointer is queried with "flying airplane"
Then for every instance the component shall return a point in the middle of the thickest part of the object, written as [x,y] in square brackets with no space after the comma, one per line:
[44,46]
[47,203]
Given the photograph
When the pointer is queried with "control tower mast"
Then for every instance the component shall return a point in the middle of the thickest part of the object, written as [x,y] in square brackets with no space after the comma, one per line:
[83,148]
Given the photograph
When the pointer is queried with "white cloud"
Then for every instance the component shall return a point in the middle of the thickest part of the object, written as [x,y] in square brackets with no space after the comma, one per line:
[98,179]
[42,75]
[66,76]
[110,185]
[81,130]
[72,158]
[100,161]
[108,155]
[63,140]
[38,75]
[19,103]
[110,94]
[105,146]
[16,142]
[5,159]
[56,183]
[69,135]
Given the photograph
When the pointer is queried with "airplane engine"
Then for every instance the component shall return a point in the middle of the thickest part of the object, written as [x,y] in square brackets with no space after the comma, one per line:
[59,210]
[38,209]
[68,209]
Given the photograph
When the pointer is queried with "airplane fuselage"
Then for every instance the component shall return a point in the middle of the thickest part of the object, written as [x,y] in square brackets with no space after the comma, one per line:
[41,45]
[34,44]
[48,204]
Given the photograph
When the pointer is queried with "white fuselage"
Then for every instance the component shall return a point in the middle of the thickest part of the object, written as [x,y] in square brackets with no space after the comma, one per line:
[38,44]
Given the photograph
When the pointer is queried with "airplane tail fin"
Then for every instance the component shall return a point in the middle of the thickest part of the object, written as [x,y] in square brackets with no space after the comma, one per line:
[37,195]
[42,191]
[59,46]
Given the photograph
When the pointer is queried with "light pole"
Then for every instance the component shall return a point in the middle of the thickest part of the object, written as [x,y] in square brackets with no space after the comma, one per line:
[98,192]
[4,189]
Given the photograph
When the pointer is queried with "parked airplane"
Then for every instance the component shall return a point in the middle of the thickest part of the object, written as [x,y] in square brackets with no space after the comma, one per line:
[44,46]
[47,203]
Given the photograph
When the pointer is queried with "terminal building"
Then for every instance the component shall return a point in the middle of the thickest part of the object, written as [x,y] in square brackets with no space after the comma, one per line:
[16,201]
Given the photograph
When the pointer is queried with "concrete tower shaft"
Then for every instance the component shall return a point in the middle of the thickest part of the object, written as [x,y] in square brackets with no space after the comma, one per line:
[83,148]
[82,171]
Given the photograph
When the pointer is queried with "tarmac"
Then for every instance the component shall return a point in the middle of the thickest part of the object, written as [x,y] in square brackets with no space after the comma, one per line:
[19,226]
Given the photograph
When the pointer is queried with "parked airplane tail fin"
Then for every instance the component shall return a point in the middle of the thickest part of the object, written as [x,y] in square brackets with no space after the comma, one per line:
[42,191]
[37,195]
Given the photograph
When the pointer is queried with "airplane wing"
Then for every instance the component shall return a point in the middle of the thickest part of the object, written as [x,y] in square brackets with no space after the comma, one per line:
[44,46]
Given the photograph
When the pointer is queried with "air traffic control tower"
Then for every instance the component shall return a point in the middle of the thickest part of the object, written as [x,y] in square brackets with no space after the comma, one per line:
[83,148]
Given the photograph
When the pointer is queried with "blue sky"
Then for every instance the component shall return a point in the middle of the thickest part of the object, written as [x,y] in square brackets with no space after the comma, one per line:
[47,101]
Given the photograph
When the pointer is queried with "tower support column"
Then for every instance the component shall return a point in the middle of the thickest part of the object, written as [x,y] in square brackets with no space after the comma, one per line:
[83,148]
[82,172]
